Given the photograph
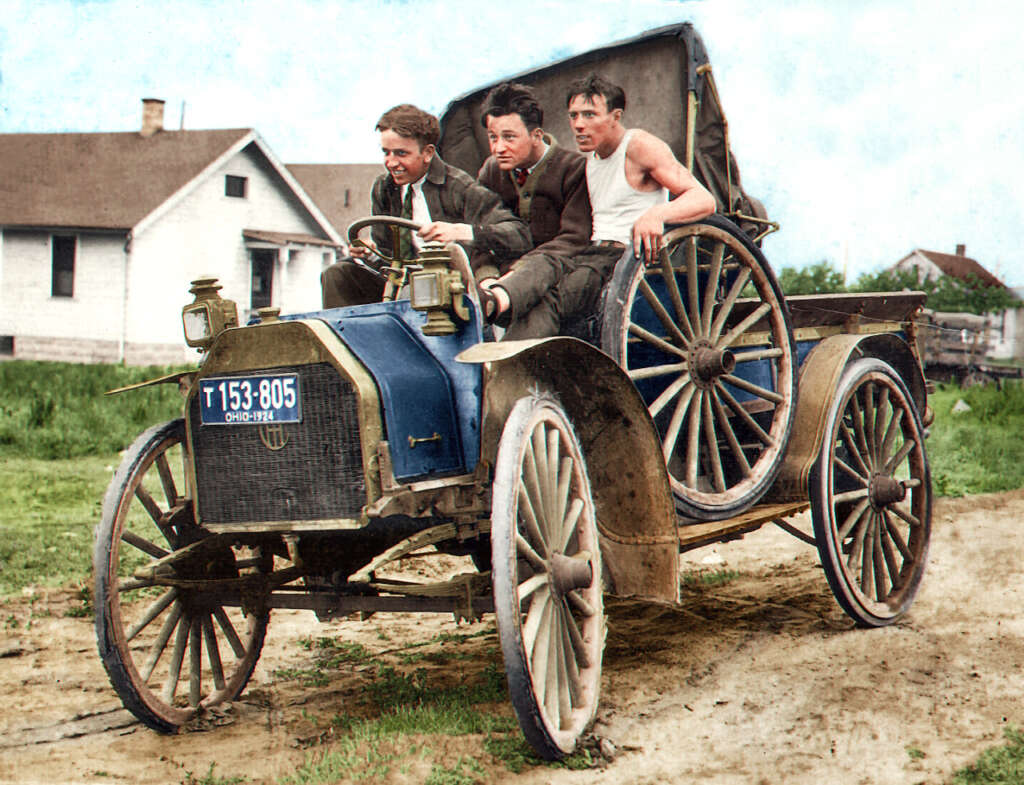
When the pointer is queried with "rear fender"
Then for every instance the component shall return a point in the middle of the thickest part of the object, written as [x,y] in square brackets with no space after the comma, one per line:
[632,495]
[819,378]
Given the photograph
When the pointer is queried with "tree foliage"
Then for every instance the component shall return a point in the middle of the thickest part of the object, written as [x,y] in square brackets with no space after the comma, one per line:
[945,294]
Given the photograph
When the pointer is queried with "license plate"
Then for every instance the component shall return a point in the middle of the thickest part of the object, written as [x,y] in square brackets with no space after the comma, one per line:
[250,400]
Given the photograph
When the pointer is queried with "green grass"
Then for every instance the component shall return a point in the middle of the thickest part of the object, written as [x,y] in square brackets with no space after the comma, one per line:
[980,451]
[58,410]
[997,766]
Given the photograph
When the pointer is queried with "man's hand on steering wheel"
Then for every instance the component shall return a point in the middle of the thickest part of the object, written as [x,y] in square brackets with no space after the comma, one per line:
[444,232]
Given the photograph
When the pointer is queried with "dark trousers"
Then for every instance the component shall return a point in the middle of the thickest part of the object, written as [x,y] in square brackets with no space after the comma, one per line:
[574,296]
[348,283]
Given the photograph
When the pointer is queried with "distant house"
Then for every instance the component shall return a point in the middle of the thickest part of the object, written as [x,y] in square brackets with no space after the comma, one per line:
[101,233]
[932,265]
[341,191]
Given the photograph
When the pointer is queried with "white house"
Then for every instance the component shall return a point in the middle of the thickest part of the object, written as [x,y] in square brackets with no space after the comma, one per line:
[101,233]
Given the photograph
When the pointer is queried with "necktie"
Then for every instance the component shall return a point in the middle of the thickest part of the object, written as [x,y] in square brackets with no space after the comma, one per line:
[405,235]
[521,175]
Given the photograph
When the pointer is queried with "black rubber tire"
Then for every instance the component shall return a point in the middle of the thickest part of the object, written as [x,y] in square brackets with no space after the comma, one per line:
[720,460]
[873,545]
[556,620]
[147,486]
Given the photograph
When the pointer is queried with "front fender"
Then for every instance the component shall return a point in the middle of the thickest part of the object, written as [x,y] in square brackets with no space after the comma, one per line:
[628,479]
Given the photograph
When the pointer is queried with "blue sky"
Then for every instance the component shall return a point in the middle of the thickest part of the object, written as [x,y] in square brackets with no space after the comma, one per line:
[867,128]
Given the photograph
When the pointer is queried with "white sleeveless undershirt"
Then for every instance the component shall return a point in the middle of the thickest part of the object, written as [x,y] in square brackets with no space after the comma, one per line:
[615,203]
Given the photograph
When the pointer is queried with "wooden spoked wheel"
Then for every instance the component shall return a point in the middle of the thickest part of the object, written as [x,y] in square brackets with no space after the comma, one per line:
[871,495]
[546,571]
[169,649]
[705,336]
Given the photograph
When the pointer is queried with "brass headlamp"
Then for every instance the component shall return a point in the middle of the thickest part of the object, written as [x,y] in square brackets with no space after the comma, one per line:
[438,290]
[208,315]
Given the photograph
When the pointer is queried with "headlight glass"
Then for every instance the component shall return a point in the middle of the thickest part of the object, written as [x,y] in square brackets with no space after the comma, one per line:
[197,323]
[425,290]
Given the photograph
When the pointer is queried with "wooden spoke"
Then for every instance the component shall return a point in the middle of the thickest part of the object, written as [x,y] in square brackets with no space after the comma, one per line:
[538,605]
[711,439]
[655,341]
[524,549]
[195,652]
[668,274]
[569,526]
[728,303]
[683,336]
[897,459]
[894,429]
[540,654]
[213,653]
[160,644]
[753,318]
[570,653]
[530,585]
[751,388]
[905,515]
[859,533]
[554,466]
[881,412]
[867,543]
[167,480]
[229,632]
[693,440]
[744,415]
[690,258]
[564,697]
[578,646]
[726,427]
[154,610]
[682,383]
[758,355]
[896,538]
[890,557]
[858,428]
[177,656]
[543,498]
[655,371]
[143,544]
[870,414]
[668,444]
[529,518]
[562,495]
[714,273]
[851,496]
[531,484]
[854,516]
[853,448]
[841,464]
[577,601]
[876,561]
[132,584]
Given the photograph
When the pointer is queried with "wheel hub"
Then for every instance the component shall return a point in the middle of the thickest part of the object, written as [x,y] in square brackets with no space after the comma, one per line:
[884,490]
[708,363]
[569,573]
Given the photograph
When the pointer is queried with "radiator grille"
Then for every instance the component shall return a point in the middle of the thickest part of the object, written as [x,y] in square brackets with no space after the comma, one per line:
[317,474]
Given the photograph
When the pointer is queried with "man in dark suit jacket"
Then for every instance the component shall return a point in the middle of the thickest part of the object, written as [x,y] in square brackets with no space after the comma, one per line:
[449,204]
[545,185]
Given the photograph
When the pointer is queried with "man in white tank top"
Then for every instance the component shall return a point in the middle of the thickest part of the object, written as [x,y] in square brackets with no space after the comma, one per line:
[631,176]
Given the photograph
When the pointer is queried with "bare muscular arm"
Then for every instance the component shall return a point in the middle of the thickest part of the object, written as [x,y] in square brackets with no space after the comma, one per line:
[650,164]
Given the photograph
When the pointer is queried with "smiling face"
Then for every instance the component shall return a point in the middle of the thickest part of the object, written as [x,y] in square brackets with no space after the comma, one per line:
[512,145]
[404,158]
[593,126]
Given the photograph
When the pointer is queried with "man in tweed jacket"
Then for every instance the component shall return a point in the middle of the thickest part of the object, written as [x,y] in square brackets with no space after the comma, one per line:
[545,185]
[448,203]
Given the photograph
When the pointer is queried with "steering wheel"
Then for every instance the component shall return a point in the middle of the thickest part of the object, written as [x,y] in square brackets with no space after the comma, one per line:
[459,260]
[386,220]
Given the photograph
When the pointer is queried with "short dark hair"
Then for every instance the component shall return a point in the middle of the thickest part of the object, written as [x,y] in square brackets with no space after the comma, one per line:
[513,98]
[593,85]
[411,122]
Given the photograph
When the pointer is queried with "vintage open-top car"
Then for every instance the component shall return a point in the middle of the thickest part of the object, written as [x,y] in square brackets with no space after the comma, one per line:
[318,450]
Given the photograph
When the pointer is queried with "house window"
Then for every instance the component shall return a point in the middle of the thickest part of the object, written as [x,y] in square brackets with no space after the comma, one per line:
[347,197]
[235,185]
[262,277]
[7,345]
[63,276]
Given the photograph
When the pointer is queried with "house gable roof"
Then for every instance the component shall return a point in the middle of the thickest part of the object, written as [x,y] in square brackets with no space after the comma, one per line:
[101,180]
[962,267]
[327,183]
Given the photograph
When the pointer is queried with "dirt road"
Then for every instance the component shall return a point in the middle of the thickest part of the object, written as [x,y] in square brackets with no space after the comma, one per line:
[759,680]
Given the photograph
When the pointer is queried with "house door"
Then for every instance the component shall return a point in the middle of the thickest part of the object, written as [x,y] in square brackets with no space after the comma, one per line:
[262,277]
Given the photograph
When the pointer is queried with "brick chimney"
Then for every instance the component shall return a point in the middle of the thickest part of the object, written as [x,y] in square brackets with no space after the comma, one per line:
[152,116]
[960,249]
